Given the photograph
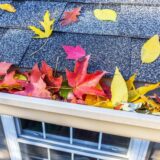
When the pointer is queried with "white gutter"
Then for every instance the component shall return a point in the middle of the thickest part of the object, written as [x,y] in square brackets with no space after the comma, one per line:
[122,123]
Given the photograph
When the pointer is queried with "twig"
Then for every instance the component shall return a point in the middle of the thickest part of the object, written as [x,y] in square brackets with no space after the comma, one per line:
[59,87]
[56,66]
[39,48]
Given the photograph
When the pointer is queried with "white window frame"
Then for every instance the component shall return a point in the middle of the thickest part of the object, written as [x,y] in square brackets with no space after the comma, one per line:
[137,149]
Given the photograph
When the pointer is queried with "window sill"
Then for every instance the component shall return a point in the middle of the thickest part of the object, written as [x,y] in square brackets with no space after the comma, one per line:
[120,123]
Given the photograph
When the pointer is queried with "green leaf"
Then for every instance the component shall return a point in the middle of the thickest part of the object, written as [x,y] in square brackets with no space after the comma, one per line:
[65,90]
[20,77]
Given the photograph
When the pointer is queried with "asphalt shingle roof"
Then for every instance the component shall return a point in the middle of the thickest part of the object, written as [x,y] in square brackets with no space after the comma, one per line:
[110,44]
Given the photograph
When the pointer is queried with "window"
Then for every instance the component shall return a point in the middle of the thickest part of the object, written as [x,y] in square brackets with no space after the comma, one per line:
[55,142]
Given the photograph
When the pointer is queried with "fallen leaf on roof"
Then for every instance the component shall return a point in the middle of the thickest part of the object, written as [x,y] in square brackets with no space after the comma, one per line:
[82,82]
[74,52]
[119,89]
[105,14]
[150,50]
[47,24]
[7,7]
[70,16]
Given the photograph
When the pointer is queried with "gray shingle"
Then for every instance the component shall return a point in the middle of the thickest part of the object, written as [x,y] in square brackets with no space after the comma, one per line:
[14,44]
[141,2]
[139,21]
[88,23]
[30,13]
[107,52]
[147,72]
[2,32]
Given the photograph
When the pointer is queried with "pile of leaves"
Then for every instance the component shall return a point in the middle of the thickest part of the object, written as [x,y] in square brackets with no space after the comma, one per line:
[79,87]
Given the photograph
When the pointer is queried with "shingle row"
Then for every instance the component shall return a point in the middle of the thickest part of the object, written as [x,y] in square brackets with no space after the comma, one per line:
[106,52]
[133,20]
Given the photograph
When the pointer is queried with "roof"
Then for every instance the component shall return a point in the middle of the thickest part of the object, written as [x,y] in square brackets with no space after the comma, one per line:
[110,44]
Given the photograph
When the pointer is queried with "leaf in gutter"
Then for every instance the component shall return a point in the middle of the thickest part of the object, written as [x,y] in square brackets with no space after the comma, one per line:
[153,106]
[9,82]
[50,79]
[130,82]
[7,7]
[36,87]
[47,25]
[82,82]
[4,67]
[157,98]
[119,89]
[20,77]
[98,101]
[70,16]
[74,52]
[136,93]
[150,50]
[105,14]
[65,90]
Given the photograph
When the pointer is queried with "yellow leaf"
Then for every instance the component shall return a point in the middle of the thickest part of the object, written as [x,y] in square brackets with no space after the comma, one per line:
[136,93]
[130,82]
[105,14]
[47,25]
[98,101]
[7,7]
[150,50]
[90,99]
[104,104]
[155,107]
[118,89]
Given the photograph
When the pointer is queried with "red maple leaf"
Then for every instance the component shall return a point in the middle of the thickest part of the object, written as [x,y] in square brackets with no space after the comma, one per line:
[51,81]
[70,16]
[106,89]
[82,82]
[157,98]
[9,82]
[36,87]
[4,68]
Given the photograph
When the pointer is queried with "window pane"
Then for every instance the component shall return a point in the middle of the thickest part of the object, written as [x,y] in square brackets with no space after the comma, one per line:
[79,157]
[85,135]
[31,125]
[116,140]
[59,155]
[57,130]
[117,143]
[32,128]
[30,152]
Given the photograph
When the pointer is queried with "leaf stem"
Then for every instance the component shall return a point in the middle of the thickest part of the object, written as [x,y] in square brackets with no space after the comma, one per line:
[59,87]
[40,48]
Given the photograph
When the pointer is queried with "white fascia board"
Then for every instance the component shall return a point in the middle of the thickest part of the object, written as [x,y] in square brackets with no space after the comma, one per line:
[122,123]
